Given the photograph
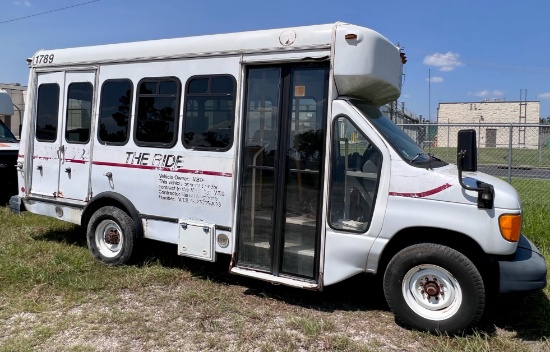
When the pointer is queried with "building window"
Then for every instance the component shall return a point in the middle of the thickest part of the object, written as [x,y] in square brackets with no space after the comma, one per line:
[157,112]
[114,112]
[209,112]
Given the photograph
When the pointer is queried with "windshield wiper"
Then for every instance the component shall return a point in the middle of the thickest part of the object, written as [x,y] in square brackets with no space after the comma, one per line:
[416,157]
[434,157]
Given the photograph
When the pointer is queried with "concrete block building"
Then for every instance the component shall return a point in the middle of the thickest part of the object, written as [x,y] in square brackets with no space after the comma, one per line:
[485,117]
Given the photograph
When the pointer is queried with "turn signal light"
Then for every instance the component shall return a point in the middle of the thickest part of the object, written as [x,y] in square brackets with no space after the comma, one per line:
[350,36]
[510,227]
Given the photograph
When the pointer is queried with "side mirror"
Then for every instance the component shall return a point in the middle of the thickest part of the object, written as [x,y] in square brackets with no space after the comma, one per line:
[6,105]
[467,161]
[467,148]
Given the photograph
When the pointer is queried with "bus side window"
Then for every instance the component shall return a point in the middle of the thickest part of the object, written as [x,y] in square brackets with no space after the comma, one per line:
[209,112]
[47,112]
[114,111]
[356,166]
[158,101]
[79,112]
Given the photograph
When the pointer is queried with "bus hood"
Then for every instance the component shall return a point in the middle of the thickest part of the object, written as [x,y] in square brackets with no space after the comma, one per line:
[9,146]
[442,184]
[506,196]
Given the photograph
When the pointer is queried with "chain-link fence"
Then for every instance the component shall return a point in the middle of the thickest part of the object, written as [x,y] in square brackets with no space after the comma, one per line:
[516,153]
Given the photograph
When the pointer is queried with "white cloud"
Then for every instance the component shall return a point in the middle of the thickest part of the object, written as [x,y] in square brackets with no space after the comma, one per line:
[489,94]
[481,93]
[544,96]
[25,3]
[434,79]
[445,62]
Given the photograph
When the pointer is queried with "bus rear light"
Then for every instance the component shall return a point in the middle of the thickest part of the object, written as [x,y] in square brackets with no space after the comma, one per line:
[510,226]
[350,36]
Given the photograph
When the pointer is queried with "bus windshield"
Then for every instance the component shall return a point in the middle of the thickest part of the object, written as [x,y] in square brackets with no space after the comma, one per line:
[5,134]
[401,142]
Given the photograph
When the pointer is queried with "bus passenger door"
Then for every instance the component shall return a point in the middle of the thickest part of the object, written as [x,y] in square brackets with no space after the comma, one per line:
[47,137]
[62,135]
[282,166]
[76,138]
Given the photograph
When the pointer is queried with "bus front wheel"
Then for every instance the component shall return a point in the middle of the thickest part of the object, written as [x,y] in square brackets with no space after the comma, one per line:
[111,235]
[431,287]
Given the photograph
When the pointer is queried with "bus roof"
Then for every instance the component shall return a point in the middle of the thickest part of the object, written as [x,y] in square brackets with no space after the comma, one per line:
[272,40]
[365,64]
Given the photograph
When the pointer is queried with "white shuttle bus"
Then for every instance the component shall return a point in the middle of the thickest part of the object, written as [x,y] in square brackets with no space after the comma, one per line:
[269,147]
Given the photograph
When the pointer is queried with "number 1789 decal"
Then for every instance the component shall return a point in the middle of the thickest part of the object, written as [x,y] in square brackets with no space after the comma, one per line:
[43,59]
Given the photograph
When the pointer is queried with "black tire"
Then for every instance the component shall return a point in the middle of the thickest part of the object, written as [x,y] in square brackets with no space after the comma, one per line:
[111,235]
[431,287]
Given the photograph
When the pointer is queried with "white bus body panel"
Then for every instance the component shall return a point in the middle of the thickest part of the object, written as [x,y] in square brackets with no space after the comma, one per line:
[257,42]
[175,182]
[433,198]
[171,186]
[368,66]
[345,252]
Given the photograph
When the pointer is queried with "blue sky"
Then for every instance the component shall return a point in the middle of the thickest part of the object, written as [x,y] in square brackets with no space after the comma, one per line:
[472,50]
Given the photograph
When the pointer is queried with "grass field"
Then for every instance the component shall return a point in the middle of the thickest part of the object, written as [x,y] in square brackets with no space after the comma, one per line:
[533,192]
[55,297]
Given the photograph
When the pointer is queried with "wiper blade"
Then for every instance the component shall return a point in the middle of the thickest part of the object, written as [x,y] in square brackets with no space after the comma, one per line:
[416,157]
[434,157]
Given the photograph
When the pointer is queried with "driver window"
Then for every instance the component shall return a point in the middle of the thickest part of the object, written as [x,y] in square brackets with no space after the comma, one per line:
[356,166]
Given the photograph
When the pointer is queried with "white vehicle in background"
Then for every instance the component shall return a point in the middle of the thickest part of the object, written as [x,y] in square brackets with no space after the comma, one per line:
[269,147]
[9,147]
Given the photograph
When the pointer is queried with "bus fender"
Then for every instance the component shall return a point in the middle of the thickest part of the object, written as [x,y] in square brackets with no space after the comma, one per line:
[112,198]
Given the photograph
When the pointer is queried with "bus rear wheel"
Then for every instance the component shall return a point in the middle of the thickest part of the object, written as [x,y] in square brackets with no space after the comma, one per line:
[434,288]
[110,235]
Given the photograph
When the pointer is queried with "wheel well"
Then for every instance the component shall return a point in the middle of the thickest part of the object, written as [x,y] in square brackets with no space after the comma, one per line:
[456,240]
[116,200]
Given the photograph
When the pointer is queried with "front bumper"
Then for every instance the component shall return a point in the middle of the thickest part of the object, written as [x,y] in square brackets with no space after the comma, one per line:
[526,271]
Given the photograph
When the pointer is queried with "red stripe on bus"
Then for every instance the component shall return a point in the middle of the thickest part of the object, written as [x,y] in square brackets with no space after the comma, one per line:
[150,167]
[421,194]
[43,157]
[76,161]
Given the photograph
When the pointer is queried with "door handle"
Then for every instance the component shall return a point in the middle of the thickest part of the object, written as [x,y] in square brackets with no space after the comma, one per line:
[39,167]
[68,170]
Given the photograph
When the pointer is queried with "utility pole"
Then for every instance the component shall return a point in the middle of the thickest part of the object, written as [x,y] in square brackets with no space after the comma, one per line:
[429,94]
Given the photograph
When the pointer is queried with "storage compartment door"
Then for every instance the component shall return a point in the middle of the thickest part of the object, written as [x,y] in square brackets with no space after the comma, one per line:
[196,240]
